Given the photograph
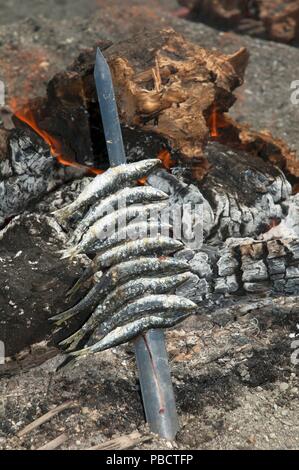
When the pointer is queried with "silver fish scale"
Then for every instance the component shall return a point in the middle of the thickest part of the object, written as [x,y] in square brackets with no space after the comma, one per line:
[164,304]
[122,295]
[124,197]
[104,228]
[136,289]
[132,231]
[103,185]
[159,245]
[129,331]
[119,274]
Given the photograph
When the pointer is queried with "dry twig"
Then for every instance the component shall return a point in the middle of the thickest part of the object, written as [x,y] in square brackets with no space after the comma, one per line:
[123,442]
[55,443]
[46,417]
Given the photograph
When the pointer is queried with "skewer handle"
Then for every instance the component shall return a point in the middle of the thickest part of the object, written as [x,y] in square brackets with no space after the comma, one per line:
[156,386]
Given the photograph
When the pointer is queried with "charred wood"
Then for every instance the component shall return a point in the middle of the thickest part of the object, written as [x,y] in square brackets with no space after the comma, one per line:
[27,172]
[228,276]
[239,182]
[166,92]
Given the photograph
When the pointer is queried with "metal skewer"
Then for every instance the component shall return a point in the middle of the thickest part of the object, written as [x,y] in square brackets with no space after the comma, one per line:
[151,356]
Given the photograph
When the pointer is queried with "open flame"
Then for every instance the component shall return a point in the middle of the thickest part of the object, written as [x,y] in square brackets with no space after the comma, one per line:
[26,115]
[166,158]
[167,161]
[213,123]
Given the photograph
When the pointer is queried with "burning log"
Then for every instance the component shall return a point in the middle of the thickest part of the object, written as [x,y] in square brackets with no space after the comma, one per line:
[165,95]
[199,81]
[240,196]
[27,171]
[271,19]
[164,100]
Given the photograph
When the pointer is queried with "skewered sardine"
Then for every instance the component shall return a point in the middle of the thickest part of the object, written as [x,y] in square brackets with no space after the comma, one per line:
[108,226]
[121,296]
[129,331]
[104,184]
[119,274]
[123,198]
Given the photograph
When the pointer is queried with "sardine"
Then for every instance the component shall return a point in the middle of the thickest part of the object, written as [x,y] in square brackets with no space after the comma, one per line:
[120,274]
[104,184]
[132,231]
[131,330]
[147,246]
[130,249]
[119,200]
[108,226]
[121,296]
[146,305]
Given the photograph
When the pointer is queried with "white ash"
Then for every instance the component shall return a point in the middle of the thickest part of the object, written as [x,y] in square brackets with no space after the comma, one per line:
[29,174]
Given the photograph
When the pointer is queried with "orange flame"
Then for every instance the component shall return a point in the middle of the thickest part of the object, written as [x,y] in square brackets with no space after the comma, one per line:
[167,161]
[165,156]
[26,115]
[213,123]
[142,181]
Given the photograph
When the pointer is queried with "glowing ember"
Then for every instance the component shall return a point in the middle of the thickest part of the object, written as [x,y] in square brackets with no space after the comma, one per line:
[25,115]
[274,223]
[213,123]
[142,181]
[166,158]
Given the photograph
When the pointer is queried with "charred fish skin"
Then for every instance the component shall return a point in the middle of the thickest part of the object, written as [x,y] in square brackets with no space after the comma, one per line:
[153,246]
[104,184]
[123,198]
[122,295]
[130,331]
[134,288]
[146,246]
[86,305]
[108,225]
[131,232]
[119,274]
[150,304]
[137,276]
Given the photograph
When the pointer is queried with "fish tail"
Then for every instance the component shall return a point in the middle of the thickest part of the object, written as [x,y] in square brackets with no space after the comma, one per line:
[66,364]
[72,356]
[73,290]
[70,252]
[62,317]
[80,353]
[64,213]
[81,281]
[72,341]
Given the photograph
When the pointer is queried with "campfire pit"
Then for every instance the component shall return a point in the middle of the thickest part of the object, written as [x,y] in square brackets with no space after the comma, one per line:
[173,102]
[173,99]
